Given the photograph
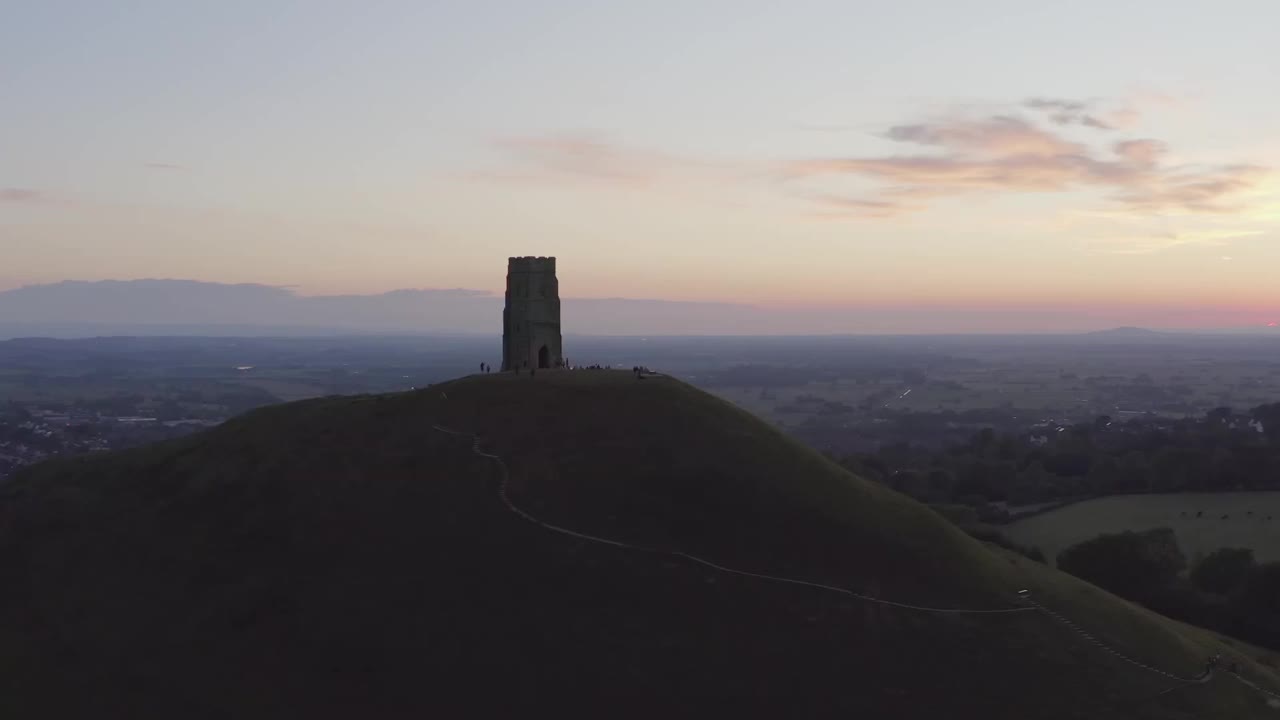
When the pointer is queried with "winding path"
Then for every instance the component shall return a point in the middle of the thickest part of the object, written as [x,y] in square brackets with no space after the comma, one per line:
[506,500]
[1031,604]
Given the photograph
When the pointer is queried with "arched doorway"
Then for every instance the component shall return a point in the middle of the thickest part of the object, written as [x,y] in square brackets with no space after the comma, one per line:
[544,357]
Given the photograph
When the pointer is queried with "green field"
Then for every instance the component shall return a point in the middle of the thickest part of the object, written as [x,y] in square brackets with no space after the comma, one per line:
[1252,520]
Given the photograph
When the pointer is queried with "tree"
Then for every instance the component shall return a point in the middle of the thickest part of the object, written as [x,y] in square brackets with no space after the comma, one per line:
[1034,485]
[983,441]
[1269,416]
[1176,468]
[941,483]
[1134,472]
[1134,565]
[1224,571]
[1219,416]
[1262,592]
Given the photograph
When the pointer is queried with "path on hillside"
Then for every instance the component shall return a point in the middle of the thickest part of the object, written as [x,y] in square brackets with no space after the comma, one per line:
[506,500]
[1033,604]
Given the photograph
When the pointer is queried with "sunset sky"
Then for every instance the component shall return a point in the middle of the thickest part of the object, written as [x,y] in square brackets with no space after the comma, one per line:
[962,166]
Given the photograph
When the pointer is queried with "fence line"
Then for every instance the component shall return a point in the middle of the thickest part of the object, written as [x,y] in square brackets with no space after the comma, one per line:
[1259,688]
[1200,679]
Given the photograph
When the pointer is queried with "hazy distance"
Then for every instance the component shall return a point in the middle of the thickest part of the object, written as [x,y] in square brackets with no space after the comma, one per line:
[177,307]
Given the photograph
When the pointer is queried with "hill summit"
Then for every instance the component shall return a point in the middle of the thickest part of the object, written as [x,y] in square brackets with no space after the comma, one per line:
[391,556]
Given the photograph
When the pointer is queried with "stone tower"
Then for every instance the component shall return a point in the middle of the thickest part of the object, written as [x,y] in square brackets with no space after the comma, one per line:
[531,319]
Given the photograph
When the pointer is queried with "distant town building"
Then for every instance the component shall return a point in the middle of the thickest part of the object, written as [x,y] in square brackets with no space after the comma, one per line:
[531,318]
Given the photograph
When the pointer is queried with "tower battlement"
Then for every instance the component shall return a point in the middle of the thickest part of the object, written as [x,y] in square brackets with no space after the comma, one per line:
[531,319]
[531,263]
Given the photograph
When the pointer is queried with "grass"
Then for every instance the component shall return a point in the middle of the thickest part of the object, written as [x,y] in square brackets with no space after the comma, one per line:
[1246,523]
[337,557]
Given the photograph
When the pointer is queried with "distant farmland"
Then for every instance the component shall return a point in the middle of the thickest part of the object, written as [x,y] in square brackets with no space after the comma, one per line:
[1245,524]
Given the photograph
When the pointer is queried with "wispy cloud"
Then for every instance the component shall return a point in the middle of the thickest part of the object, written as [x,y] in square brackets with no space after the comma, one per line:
[999,134]
[1216,190]
[1147,244]
[584,157]
[1145,153]
[21,195]
[838,207]
[1080,112]
[586,160]
[1055,105]
[1009,153]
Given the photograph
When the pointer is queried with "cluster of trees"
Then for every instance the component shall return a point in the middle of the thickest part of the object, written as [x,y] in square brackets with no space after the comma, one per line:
[928,430]
[1221,451]
[1227,590]
[968,520]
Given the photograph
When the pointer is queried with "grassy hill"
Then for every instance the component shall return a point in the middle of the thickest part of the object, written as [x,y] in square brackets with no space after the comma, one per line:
[340,558]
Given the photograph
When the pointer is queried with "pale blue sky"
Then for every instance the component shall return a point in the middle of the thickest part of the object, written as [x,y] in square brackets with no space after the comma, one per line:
[687,150]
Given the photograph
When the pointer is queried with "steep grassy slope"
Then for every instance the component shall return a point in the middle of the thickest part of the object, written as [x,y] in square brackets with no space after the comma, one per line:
[340,558]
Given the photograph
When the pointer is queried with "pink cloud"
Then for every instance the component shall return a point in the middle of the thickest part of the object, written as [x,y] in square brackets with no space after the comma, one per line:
[836,207]
[1211,190]
[1010,154]
[21,195]
[1056,105]
[999,134]
[584,160]
[1122,118]
[1141,152]
[586,157]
